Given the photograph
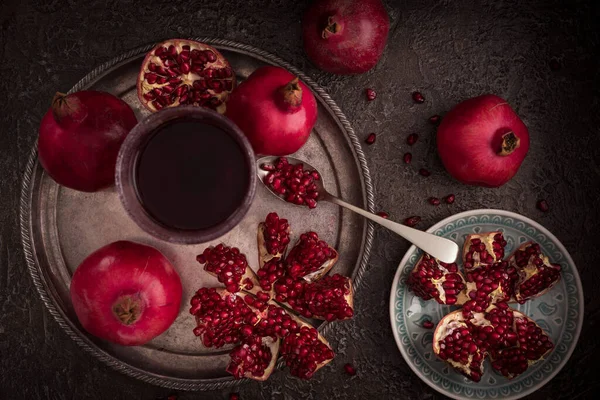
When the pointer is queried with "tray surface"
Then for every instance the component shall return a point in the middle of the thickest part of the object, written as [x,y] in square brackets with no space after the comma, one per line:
[60,227]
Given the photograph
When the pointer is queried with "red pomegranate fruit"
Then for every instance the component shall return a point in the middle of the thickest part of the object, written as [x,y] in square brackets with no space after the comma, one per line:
[536,274]
[275,111]
[181,71]
[513,341]
[80,137]
[345,36]
[483,248]
[127,293]
[273,238]
[305,352]
[489,284]
[482,141]
[310,258]
[230,267]
[254,358]
[433,279]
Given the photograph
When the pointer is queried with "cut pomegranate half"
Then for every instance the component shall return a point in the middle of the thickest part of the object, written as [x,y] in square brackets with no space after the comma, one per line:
[483,248]
[310,258]
[181,71]
[431,278]
[254,358]
[230,267]
[273,237]
[536,274]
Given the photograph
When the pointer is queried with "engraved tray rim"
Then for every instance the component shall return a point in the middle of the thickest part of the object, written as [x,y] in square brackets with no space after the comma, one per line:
[43,288]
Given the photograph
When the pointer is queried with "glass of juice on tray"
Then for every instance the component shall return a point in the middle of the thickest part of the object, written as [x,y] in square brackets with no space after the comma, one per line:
[186,175]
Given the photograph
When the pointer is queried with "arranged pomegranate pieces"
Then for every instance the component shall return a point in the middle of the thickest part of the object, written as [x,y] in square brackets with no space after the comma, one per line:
[305,352]
[483,248]
[179,72]
[258,327]
[329,298]
[229,266]
[453,342]
[254,358]
[273,238]
[292,182]
[220,315]
[310,258]
[433,279]
[536,274]
[486,325]
[513,341]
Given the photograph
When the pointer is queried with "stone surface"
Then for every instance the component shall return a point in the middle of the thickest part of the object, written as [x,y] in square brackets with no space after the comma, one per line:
[448,50]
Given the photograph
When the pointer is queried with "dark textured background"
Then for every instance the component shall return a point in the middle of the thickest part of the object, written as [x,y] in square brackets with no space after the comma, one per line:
[449,50]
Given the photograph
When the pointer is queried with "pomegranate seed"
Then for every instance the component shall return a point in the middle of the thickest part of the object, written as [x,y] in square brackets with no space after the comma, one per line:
[412,221]
[542,205]
[554,65]
[383,214]
[412,139]
[434,201]
[427,324]
[434,119]
[424,172]
[350,370]
[371,138]
[371,94]
[418,97]
[234,396]
[449,199]
[172,397]
[407,158]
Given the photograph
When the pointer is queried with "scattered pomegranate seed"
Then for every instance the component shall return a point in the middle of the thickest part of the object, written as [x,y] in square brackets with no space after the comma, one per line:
[554,65]
[383,214]
[435,119]
[371,94]
[371,138]
[172,397]
[350,370]
[434,201]
[234,396]
[412,139]
[542,205]
[449,199]
[412,221]
[418,97]
[424,172]
[407,158]
[427,324]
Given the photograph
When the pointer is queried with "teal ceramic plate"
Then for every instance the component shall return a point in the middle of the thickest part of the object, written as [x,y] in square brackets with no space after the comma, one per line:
[559,312]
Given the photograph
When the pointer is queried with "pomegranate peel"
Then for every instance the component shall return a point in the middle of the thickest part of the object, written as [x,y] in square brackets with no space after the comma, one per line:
[181,71]
[536,274]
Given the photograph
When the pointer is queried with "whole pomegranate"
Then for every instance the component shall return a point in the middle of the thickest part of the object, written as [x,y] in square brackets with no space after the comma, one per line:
[345,36]
[80,137]
[126,293]
[482,141]
[274,110]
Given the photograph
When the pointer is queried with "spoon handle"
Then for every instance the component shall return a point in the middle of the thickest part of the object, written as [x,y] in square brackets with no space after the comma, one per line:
[443,249]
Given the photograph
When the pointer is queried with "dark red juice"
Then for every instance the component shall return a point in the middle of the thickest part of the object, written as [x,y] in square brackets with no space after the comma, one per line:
[191,175]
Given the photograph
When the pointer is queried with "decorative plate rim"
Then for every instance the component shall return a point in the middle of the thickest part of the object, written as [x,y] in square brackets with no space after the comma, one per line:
[42,286]
[505,213]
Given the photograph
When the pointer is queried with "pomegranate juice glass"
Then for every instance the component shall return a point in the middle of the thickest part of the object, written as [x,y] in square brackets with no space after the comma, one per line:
[186,175]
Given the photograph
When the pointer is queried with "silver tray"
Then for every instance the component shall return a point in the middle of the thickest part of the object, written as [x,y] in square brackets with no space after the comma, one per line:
[60,227]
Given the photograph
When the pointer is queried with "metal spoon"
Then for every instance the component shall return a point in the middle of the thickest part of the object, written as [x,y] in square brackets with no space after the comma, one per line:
[443,249]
